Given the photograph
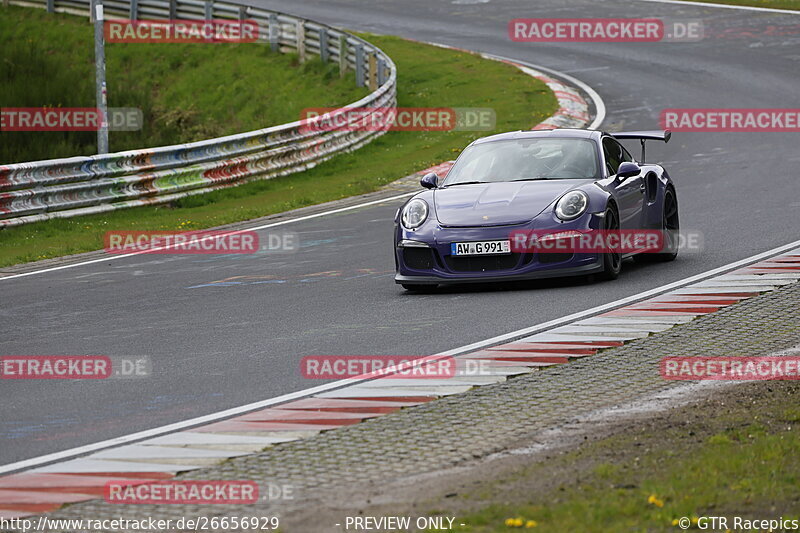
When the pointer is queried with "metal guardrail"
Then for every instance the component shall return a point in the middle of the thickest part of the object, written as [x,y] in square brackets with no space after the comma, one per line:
[73,186]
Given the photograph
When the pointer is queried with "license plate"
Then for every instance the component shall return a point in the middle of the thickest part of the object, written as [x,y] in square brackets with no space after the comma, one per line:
[480,248]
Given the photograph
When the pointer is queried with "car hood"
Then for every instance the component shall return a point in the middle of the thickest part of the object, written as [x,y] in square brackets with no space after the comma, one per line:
[498,204]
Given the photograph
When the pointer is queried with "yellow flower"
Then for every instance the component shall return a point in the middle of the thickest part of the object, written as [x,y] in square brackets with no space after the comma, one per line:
[515,522]
[531,523]
[694,520]
[653,500]
[675,522]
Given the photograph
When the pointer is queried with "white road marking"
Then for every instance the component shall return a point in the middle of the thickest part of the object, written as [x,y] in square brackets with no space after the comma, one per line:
[228,413]
[725,6]
[234,232]
[587,69]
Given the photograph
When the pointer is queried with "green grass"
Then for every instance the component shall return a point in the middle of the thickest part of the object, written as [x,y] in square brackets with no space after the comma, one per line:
[776,4]
[743,471]
[187,92]
[428,76]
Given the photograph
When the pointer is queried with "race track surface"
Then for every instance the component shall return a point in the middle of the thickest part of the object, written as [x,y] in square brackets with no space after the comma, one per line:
[220,345]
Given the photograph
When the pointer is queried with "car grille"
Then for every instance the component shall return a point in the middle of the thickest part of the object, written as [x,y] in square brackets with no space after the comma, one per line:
[418,258]
[482,263]
[555,257]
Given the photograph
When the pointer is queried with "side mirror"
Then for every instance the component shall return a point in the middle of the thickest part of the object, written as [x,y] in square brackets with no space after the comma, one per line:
[628,169]
[430,180]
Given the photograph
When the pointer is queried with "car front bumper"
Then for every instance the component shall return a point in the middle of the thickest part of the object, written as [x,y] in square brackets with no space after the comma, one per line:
[429,261]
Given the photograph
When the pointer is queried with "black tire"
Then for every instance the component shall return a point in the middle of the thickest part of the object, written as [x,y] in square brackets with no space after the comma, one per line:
[612,262]
[415,287]
[670,223]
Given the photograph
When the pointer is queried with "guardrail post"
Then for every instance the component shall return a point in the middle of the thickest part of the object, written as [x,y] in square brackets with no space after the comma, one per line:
[208,8]
[360,65]
[342,55]
[173,9]
[100,79]
[300,34]
[134,12]
[381,72]
[373,71]
[243,11]
[273,32]
[51,6]
[323,44]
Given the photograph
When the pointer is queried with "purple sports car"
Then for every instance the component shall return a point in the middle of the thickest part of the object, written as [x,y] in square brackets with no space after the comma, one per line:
[563,182]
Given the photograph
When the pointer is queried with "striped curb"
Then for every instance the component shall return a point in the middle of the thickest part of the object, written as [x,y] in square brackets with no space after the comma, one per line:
[47,488]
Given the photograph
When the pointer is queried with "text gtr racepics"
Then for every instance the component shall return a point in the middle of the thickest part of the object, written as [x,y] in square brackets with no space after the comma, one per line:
[535,204]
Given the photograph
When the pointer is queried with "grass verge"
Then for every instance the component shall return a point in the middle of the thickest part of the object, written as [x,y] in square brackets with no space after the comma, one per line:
[187,92]
[734,458]
[429,76]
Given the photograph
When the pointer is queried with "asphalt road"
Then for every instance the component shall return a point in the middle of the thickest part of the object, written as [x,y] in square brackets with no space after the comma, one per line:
[218,345]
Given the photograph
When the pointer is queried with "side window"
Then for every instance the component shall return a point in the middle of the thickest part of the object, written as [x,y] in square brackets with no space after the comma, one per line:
[613,155]
[626,156]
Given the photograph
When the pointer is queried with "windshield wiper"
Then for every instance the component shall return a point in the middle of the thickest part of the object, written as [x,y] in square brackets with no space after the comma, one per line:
[537,178]
[465,183]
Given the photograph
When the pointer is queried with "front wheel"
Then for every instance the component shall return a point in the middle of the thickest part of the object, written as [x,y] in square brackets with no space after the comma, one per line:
[612,261]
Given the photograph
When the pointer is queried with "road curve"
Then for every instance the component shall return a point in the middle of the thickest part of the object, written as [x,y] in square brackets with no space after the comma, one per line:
[215,346]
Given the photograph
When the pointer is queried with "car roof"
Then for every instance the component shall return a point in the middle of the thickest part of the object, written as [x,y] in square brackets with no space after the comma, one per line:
[540,134]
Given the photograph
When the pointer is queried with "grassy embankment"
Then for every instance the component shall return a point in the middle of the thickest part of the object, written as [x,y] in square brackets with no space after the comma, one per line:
[198,91]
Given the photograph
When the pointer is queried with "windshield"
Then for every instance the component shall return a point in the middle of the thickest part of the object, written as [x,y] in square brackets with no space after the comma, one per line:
[525,159]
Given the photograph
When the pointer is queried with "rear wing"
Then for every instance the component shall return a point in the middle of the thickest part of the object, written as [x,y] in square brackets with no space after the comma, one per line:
[643,136]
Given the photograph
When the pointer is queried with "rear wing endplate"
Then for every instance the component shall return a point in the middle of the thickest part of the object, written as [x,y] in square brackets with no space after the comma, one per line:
[644,136]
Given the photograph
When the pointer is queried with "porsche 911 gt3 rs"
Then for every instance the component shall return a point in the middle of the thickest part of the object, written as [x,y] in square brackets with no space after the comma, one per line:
[564,182]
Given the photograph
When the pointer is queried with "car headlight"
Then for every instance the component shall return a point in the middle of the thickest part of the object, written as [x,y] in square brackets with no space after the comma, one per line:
[572,205]
[414,213]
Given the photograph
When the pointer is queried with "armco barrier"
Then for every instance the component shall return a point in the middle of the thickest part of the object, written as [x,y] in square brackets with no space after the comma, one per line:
[72,186]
